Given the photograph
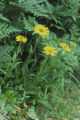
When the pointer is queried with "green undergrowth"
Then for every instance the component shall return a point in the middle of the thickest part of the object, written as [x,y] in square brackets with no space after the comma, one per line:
[65,104]
[39,59]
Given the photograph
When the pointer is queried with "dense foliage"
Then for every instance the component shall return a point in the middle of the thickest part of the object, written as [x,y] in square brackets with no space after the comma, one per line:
[32,62]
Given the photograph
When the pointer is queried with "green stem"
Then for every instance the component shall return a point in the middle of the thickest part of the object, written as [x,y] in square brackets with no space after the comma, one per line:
[41,71]
[37,41]
[30,55]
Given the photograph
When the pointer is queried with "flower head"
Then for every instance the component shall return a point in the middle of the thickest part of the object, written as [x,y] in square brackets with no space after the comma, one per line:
[62,44]
[48,50]
[65,47]
[73,44]
[21,38]
[41,30]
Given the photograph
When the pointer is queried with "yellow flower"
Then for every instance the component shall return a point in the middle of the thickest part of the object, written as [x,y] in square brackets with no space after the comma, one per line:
[48,50]
[73,44]
[41,30]
[21,38]
[62,44]
[65,47]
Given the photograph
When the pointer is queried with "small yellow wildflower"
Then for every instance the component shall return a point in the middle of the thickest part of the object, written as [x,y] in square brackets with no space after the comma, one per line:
[21,38]
[48,50]
[65,47]
[62,44]
[73,44]
[41,30]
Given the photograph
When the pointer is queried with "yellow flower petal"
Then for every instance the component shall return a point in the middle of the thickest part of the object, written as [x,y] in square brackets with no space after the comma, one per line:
[48,50]
[65,47]
[21,38]
[73,44]
[41,30]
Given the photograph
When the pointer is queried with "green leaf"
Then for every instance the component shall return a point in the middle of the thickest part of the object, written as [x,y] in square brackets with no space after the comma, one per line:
[45,103]
[31,113]
[2,104]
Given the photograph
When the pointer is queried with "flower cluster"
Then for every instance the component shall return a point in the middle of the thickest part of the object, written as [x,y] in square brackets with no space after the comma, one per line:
[41,30]
[21,38]
[48,50]
[65,47]
[73,44]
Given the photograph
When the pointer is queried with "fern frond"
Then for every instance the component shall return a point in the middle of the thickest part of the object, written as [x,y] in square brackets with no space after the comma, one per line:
[6,30]
[5,57]
[29,23]
[38,8]
[4,18]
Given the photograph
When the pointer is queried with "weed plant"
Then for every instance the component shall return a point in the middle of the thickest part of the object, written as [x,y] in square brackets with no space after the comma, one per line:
[39,48]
